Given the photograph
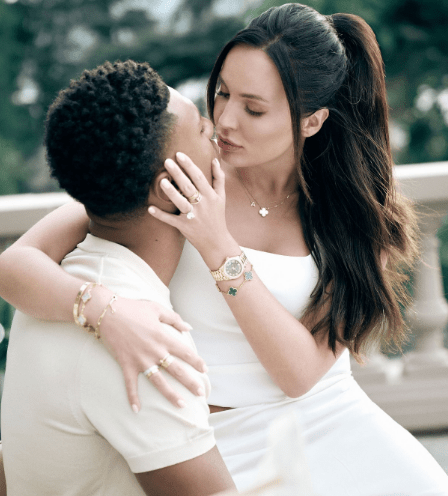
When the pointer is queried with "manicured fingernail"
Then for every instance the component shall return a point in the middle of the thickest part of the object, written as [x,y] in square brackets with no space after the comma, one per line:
[201,391]
[164,182]
[188,326]
[205,369]
[152,210]
[135,408]
[181,156]
[216,161]
[181,403]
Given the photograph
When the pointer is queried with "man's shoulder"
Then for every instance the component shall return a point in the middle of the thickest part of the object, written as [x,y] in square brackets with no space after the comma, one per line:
[117,268]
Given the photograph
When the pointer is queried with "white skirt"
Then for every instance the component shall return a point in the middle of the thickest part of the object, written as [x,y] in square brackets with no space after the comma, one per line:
[352,447]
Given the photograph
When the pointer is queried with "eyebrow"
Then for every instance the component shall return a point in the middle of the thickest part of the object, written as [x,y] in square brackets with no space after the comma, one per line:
[246,95]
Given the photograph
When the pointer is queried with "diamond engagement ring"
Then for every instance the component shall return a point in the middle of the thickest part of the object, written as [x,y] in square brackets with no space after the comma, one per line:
[190,214]
[151,371]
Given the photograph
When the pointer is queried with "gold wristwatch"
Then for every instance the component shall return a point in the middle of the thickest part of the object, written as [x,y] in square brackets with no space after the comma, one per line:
[232,268]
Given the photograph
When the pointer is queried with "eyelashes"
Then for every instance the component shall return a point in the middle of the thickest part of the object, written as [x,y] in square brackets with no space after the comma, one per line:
[252,112]
[247,109]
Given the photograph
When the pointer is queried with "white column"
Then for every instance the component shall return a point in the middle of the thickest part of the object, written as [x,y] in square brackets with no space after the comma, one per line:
[428,314]
[377,369]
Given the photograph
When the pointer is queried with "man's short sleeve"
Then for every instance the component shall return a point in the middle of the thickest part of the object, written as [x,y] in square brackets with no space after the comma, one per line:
[159,435]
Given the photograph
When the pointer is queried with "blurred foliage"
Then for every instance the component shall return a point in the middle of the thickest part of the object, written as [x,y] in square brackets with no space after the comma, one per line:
[6,315]
[13,173]
[443,236]
[45,43]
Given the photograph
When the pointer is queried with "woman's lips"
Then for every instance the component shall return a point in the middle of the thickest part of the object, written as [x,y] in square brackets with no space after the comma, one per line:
[226,145]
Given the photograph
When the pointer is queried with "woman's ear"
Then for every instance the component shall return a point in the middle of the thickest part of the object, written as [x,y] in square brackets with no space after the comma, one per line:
[312,124]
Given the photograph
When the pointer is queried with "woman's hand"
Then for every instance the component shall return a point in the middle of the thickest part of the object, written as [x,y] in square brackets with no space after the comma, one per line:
[202,206]
[136,338]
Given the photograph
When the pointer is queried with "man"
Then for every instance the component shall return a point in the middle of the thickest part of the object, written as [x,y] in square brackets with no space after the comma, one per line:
[66,425]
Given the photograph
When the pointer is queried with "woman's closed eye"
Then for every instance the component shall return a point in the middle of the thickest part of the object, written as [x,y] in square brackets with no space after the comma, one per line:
[253,112]
[247,109]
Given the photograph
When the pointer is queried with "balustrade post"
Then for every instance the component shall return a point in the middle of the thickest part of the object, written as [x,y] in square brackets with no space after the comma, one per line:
[428,314]
[377,369]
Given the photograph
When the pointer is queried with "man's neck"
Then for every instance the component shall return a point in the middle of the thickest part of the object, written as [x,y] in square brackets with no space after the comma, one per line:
[158,244]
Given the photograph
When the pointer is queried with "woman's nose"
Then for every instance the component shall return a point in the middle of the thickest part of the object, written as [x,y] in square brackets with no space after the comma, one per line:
[226,117]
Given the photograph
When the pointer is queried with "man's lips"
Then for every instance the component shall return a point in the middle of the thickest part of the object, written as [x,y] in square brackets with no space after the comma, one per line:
[227,145]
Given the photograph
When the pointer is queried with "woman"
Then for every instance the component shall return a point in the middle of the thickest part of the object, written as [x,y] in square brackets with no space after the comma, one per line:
[298,100]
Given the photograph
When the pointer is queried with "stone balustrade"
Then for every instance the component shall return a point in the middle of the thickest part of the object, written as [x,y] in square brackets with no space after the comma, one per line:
[413,388]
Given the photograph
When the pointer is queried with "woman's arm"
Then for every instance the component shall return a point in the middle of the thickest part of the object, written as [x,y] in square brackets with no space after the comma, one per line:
[293,357]
[32,280]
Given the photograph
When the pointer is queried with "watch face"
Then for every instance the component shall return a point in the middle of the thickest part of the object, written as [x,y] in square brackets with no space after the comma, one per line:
[233,268]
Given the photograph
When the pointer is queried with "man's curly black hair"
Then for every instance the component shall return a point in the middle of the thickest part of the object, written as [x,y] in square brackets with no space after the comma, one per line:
[106,136]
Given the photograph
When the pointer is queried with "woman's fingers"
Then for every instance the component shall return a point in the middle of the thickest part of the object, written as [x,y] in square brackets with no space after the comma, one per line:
[179,372]
[174,319]
[189,178]
[179,200]
[170,394]
[218,178]
[183,182]
[186,354]
[137,336]
[130,380]
[194,173]
[170,219]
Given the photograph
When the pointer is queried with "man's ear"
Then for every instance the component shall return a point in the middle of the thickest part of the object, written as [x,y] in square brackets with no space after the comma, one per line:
[156,190]
[312,124]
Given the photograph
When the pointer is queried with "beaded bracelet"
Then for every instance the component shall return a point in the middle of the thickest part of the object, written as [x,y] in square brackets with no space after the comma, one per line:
[96,331]
[248,276]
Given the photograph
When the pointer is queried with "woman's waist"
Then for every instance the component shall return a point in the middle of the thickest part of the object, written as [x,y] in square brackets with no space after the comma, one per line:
[248,384]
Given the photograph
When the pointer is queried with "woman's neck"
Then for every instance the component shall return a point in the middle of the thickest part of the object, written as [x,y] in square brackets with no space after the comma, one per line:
[267,182]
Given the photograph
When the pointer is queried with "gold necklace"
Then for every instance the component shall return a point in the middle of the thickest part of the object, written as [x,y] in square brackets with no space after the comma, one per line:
[253,202]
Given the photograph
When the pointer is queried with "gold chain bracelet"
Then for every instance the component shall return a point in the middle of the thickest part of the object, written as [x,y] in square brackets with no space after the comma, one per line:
[96,331]
[232,291]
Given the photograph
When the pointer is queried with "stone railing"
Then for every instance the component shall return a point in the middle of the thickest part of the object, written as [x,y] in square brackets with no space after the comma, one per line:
[413,388]
[19,212]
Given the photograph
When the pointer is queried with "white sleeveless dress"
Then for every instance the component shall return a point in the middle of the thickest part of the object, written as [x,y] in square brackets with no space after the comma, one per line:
[353,448]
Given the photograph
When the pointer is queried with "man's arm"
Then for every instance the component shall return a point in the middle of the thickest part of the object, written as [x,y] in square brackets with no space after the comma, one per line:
[201,476]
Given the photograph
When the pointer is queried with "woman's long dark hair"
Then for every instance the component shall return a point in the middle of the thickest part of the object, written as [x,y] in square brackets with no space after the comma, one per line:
[351,213]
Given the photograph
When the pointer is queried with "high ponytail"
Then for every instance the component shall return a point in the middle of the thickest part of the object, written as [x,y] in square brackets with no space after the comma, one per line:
[352,216]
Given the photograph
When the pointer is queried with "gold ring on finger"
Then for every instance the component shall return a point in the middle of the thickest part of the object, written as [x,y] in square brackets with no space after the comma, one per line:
[196,198]
[166,361]
[151,371]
